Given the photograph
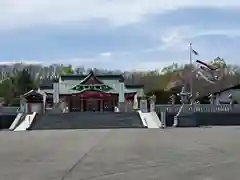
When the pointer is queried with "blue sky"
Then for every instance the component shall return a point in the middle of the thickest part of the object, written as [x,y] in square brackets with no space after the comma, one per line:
[118,34]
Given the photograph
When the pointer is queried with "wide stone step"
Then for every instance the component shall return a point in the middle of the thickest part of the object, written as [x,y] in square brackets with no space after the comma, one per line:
[88,120]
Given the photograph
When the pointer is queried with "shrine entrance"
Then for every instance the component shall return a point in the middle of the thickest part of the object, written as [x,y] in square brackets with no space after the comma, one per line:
[92,102]
[92,105]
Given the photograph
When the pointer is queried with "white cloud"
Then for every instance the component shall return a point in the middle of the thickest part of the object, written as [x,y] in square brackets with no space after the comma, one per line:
[178,38]
[73,61]
[224,32]
[152,65]
[125,53]
[175,39]
[150,50]
[106,54]
[81,61]
[10,62]
[21,13]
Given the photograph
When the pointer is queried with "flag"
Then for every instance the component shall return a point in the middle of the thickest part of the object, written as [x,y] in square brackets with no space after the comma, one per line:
[194,52]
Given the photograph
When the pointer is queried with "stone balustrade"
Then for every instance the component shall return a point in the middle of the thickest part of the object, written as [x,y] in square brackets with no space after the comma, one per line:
[198,108]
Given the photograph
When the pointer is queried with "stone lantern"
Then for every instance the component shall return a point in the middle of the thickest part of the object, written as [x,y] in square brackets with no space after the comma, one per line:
[184,96]
[212,99]
[173,99]
[196,97]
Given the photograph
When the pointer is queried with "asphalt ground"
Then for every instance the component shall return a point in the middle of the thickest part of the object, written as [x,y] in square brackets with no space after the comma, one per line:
[121,154]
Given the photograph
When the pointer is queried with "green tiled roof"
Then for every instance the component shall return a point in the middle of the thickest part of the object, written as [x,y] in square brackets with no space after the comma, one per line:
[73,89]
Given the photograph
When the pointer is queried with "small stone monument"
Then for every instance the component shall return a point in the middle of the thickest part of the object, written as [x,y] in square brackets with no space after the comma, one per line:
[231,100]
[173,99]
[143,103]
[152,103]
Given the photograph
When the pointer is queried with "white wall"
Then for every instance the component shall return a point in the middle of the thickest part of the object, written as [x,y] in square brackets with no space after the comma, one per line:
[36,107]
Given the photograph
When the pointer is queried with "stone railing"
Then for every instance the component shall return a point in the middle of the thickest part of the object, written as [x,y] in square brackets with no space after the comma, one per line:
[198,108]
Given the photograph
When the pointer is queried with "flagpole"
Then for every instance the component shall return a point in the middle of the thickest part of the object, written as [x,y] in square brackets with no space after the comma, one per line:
[191,73]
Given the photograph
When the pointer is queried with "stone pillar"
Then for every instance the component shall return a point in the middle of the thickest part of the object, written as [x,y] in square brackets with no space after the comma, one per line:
[23,105]
[152,103]
[55,92]
[163,119]
[231,100]
[143,106]
[135,102]
[82,104]
[121,97]
[101,105]
[44,102]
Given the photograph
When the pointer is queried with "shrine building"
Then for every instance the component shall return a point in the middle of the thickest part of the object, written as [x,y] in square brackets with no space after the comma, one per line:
[91,92]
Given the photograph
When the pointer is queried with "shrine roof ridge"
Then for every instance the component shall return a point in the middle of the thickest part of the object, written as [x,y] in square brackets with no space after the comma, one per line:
[105,76]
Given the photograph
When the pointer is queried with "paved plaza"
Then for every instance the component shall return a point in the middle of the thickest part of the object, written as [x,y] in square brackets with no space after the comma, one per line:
[121,154]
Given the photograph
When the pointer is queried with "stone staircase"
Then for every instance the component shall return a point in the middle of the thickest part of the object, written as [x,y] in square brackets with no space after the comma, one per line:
[88,120]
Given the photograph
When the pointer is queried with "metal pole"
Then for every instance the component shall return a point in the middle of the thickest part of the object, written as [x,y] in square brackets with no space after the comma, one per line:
[191,73]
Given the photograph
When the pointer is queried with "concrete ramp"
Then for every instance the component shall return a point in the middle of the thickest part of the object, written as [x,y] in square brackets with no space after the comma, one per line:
[26,123]
[16,121]
[150,119]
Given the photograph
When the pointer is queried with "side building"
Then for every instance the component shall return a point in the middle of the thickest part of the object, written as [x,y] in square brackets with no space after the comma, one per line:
[91,92]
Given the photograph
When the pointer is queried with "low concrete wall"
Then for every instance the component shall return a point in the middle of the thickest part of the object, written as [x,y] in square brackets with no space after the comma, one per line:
[188,120]
[6,121]
[169,118]
[218,119]
[204,119]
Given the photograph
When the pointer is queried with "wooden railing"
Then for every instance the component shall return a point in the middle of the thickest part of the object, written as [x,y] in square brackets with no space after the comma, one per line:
[198,108]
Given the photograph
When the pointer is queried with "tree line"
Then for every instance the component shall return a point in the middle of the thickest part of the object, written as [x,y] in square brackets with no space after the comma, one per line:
[18,79]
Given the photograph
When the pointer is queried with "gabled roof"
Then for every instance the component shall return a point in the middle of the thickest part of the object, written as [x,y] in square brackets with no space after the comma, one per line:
[33,92]
[91,79]
[221,91]
[229,88]
[101,77]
